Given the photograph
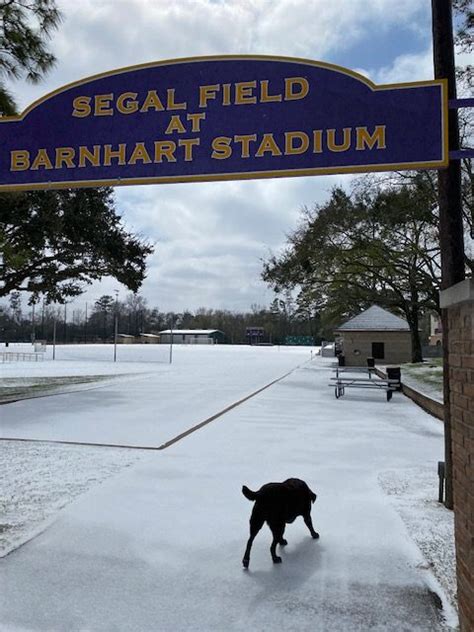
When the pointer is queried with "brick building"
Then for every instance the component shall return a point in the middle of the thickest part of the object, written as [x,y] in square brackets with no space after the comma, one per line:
[375,333]
[459,302]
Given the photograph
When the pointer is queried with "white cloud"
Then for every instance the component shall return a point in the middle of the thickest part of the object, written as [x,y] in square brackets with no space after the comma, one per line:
[100,36]
[415,67]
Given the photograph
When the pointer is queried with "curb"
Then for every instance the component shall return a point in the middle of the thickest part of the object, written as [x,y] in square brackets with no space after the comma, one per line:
[428,404]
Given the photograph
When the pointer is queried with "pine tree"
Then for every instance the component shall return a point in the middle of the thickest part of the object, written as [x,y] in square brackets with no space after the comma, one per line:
[25,28]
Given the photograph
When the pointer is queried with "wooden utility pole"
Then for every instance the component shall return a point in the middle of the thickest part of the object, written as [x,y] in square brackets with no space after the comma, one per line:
[450,205]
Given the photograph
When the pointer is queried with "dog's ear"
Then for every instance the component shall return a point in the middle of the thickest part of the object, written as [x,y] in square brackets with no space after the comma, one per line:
[313,496]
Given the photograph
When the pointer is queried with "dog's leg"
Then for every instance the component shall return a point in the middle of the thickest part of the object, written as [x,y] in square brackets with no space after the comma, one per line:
[309,523]
[278,530]
[256,523]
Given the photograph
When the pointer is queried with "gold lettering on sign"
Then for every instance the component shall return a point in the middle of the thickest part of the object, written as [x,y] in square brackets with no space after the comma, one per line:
[302,143]
[19,160]
[81,107]
[102,105]
[188,144]
[221,148]
[296,88]
[127,103]
[114,154]
[152,102]
[175,125]
[245,140]
[365,139]
[268,145]
[41,160]
[139,154]
[92,157]
[165,149]
[331,139]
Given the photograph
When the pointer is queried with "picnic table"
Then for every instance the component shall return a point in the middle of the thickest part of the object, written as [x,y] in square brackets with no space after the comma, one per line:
[343,379]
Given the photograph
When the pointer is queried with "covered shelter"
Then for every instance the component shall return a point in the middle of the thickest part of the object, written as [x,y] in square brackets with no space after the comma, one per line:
[149,339]
[375,333]
[125,339]
[192,336]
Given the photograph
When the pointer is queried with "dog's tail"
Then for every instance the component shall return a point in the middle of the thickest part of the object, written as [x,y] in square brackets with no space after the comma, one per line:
[248,493]
[312,496]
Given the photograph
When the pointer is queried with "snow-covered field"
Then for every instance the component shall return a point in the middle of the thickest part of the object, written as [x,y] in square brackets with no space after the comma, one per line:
[147,400]
[131,539]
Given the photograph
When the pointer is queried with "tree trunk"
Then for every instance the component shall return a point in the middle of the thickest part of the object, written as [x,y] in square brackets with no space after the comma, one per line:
[416,350]
[413,323]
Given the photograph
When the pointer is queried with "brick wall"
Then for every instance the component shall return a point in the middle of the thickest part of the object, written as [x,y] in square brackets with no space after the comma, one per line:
[397,346]
[460,307]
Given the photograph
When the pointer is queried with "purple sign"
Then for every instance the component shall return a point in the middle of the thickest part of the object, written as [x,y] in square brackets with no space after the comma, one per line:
[222,118]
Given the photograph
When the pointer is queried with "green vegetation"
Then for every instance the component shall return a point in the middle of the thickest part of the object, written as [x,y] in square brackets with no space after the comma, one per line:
[55,242]
[378,244]
[25,28]
[429,372]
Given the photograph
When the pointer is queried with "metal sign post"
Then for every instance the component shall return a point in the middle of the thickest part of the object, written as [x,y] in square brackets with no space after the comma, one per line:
[451,234]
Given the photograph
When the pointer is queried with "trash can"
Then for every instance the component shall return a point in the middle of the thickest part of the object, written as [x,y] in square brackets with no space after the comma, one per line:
[370,363]
[395,373]
[341,360]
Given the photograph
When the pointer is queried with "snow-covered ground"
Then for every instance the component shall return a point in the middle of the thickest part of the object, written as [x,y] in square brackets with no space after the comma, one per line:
[426,378]
[163,399]
[153,540]
[40,479]
[429,523]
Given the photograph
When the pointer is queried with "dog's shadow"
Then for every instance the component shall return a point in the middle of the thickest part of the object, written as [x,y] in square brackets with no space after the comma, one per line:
[300,562]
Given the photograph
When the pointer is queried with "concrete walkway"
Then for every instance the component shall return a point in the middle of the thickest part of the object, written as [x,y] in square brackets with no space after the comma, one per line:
[159,547]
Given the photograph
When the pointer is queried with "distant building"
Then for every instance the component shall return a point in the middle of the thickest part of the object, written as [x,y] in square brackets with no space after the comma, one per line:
[328,349]
[192,336]
[125,339]
[149,339]
[255,335]
[436,331]
[375,333]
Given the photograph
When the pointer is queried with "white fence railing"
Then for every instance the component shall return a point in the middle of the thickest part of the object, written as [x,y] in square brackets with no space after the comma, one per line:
[19,356]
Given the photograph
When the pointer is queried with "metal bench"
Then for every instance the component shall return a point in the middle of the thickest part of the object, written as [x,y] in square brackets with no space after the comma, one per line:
[355,369]
[341,382]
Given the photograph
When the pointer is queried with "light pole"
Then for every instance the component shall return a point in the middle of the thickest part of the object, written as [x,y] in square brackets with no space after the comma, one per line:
[85,327]
[33,328]
[171,341]
[65,322]
[54,337]
[116,325]
[42,320]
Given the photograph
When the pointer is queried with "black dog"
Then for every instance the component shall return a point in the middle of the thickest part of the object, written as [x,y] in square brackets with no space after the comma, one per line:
[278,504]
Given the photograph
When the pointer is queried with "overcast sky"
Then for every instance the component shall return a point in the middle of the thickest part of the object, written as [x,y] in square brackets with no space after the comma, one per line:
[211,237]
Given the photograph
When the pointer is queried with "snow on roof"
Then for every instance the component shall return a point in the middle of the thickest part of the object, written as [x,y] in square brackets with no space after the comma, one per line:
[375,319]
[149,335]
[191,332]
